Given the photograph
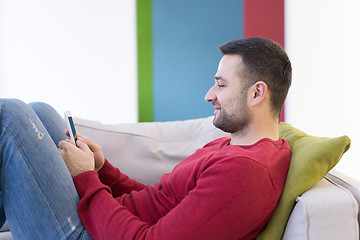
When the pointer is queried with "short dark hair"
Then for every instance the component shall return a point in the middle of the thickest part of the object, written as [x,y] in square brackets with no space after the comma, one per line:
[263,60]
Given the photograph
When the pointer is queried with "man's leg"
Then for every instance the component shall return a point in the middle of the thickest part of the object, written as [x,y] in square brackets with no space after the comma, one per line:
[52,121]
[38,193]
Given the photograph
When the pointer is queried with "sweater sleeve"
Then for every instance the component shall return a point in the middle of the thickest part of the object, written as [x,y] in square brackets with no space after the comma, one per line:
[118,182]
[230,201]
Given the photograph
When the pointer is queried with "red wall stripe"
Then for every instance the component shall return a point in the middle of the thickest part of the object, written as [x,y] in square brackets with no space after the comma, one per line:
[265,18]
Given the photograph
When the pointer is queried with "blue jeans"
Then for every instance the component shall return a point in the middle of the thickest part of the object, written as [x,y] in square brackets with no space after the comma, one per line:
[37,191]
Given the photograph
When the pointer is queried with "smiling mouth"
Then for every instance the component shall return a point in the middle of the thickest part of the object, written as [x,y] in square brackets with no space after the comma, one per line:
[217,107]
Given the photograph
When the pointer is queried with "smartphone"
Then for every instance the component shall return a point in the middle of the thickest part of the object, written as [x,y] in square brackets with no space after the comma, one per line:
[70,125]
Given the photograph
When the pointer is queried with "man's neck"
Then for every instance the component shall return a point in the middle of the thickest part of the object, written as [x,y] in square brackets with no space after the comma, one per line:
[255,132]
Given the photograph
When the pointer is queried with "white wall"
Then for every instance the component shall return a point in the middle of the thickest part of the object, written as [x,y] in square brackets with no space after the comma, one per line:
[76,55]
[323,42]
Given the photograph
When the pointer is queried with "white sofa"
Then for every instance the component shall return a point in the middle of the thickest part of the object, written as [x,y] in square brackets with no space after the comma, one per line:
[145,151]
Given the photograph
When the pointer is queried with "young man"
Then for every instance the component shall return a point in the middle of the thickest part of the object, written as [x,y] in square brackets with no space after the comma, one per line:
[226,190]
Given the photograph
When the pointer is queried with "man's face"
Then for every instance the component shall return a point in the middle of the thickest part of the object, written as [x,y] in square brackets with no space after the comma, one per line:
[228,96]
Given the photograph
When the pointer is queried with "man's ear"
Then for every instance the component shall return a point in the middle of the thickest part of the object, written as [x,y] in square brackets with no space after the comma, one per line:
[257,93]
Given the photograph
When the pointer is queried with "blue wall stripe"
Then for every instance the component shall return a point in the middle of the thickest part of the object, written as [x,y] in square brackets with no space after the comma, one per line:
[186,35]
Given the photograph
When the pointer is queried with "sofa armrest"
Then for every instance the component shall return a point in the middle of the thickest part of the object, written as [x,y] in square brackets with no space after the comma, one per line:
[326,211]
[351,184]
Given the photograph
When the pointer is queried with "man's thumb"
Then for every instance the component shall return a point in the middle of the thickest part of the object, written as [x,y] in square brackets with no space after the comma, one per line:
[83,146]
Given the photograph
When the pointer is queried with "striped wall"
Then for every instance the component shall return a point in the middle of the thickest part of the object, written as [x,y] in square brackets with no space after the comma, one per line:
[128,61]
[177,49]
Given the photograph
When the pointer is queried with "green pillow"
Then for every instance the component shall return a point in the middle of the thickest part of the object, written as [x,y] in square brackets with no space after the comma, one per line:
[311,158]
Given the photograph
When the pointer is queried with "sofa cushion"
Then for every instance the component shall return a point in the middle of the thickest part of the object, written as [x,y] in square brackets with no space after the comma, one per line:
[312,157]
[145,151]
[326,211]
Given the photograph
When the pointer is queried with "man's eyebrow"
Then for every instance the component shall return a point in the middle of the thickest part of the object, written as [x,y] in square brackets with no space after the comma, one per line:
[219,78]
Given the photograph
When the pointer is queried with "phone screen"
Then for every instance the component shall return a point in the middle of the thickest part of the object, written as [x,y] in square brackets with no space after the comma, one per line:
[70,125]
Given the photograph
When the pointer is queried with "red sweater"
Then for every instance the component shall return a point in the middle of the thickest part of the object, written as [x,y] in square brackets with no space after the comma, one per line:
[221,192]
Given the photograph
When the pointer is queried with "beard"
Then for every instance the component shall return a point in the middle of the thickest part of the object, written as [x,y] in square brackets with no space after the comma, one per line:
[237,121]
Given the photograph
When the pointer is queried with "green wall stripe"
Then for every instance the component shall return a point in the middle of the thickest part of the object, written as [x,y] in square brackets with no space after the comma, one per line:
[144,54]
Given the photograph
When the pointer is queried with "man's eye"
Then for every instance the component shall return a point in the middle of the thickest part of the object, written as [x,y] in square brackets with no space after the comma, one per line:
[220,86]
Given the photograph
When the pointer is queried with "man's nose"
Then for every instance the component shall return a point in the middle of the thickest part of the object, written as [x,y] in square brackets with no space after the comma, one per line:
[210,95]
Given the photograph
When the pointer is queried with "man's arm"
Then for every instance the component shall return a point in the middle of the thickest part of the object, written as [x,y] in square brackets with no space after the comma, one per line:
[118,181]
[230,200]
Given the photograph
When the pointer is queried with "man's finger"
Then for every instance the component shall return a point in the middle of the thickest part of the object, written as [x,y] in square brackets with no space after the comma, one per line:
[83,146]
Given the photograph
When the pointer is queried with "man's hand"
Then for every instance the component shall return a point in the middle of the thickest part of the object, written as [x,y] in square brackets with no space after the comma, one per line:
[94,147]
[78,159]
